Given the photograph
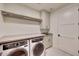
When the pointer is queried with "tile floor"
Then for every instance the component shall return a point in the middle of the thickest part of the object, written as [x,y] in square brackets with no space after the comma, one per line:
[56,52]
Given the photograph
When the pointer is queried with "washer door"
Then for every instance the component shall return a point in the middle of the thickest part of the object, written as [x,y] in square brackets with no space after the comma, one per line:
[38,49]
[18,52]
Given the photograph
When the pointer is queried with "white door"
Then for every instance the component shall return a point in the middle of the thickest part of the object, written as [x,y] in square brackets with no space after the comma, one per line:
[67,31]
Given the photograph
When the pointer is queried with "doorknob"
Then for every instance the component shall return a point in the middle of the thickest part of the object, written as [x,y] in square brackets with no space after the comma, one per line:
[58,35]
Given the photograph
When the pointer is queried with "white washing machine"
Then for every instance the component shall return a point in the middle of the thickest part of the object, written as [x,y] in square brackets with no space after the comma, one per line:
[37,47]
[17,48]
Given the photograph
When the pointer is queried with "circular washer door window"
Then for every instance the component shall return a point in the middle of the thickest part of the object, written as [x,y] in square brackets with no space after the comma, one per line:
[38,49]
[18,52]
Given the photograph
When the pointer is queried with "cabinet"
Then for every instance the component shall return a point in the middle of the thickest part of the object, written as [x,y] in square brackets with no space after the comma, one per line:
[45,16]
[48,40]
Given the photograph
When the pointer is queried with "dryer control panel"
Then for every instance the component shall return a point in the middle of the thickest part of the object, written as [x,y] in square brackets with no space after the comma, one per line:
[37,39]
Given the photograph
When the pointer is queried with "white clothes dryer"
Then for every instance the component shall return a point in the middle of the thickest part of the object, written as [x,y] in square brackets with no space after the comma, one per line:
[37,47]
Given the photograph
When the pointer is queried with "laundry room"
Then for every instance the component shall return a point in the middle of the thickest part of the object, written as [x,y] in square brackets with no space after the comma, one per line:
[39,29]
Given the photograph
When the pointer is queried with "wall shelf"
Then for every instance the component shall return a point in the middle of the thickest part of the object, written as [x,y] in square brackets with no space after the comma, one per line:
[9,14]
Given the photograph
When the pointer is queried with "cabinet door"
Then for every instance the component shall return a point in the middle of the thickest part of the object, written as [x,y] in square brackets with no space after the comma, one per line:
[67,30]
[47,41]
[45,20]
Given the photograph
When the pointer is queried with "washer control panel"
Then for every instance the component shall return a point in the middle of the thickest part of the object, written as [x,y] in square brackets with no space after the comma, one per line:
[14,44]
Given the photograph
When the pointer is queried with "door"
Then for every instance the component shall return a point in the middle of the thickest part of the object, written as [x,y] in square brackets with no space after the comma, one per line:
[67,31]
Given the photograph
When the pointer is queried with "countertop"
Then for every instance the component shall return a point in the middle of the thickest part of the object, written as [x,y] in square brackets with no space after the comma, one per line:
[18,37]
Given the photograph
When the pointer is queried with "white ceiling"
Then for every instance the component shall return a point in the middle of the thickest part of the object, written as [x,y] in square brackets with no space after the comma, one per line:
[45,6]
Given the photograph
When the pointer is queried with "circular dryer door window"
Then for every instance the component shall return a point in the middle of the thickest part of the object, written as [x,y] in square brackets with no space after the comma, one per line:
[18,52]
[38,49]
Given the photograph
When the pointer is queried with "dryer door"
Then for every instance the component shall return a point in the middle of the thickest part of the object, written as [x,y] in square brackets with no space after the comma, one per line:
[18,52]
[38,49]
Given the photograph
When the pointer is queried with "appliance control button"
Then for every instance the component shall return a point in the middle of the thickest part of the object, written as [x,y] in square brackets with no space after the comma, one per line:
[25,45]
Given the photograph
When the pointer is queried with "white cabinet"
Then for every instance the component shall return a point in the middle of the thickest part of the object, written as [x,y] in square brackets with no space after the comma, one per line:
[48,40]
[45,16]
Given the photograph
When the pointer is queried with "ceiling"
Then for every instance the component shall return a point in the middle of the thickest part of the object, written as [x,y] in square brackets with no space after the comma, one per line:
[45,6]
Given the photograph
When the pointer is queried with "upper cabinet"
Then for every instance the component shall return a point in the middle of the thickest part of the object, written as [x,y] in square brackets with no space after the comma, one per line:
[45,16]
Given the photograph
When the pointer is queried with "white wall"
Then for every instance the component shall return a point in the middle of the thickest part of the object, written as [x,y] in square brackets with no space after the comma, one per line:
[1,17]
[13,26]
[19,26]
[1,6]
